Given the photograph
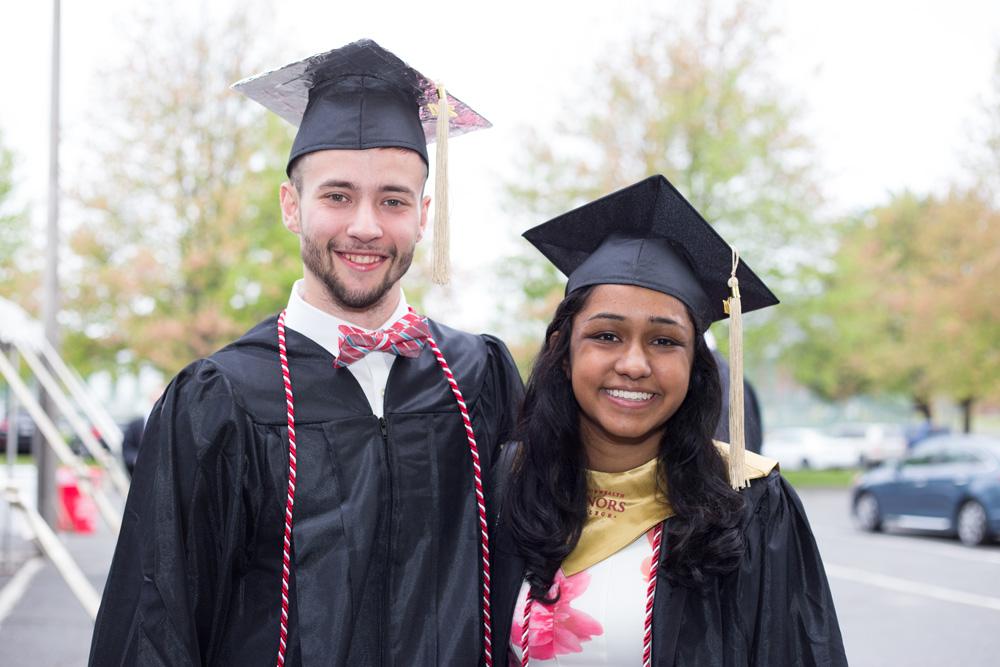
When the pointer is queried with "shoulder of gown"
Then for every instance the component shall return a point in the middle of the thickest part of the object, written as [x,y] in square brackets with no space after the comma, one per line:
[162,596]
[781,586]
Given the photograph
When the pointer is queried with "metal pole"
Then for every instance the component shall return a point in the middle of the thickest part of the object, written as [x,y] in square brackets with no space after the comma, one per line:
[59,447]
[98,415]
[13,436]
[114,467]
[50,305]
[12,420]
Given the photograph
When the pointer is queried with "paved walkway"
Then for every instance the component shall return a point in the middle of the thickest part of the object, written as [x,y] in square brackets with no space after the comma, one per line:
[41,622]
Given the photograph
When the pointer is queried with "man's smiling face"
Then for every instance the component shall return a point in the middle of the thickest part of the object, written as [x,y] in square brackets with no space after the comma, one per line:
[359,215]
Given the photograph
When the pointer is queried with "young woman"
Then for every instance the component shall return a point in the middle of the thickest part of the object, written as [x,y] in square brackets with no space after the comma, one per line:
[625,535]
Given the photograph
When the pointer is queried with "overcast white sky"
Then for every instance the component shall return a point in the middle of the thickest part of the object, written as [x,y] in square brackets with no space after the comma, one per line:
[888,86]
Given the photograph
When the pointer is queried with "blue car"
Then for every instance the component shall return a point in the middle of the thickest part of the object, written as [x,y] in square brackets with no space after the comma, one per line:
[947,483]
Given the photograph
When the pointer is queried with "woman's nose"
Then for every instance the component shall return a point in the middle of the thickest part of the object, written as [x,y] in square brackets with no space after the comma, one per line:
[633,362]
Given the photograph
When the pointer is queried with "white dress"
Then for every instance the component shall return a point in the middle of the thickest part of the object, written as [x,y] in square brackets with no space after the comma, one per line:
[598,619]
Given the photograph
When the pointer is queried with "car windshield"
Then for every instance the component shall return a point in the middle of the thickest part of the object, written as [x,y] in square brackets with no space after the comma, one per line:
[982,445]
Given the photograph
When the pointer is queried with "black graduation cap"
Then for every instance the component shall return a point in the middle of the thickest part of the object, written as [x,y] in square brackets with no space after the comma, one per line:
[357,97]
[649,235]
[362,96]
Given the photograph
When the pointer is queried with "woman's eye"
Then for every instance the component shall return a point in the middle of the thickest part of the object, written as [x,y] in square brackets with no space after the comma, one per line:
[605,337]
[665,341]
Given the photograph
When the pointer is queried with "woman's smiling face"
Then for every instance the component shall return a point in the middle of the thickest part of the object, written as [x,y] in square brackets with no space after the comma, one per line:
[630,363]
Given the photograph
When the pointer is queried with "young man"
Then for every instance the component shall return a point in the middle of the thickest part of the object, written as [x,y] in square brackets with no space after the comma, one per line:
[358,449]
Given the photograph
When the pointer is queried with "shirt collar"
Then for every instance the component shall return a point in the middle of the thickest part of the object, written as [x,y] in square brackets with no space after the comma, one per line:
[322,327]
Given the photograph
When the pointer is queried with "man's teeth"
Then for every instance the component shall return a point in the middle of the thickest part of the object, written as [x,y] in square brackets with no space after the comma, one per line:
[363,259]
[630,395]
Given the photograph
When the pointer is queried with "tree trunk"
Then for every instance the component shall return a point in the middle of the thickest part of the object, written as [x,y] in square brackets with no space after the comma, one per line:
[966,405]
[923,406]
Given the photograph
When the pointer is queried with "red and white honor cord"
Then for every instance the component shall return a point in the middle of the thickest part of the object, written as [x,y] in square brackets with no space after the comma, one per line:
[654,565]
[477,475]
[286,548]
[647,633]
[484,544]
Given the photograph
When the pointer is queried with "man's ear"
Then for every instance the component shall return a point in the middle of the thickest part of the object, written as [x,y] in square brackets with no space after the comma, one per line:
[424,206]
[290,212]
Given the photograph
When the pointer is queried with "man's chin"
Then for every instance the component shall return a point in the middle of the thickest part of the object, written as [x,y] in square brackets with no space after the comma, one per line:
[357,298]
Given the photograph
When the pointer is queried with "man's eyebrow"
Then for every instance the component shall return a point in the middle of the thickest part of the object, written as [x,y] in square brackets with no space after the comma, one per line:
[335,183]
[402,189]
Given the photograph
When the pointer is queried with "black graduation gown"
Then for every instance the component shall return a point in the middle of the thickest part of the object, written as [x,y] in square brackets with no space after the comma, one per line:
[774,610]
[385,537]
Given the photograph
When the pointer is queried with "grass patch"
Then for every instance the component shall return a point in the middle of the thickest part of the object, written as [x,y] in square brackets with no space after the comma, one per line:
[837,479]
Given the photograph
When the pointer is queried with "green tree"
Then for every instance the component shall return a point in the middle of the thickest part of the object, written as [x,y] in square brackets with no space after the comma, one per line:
[181,246]
[845,337]
[906,308]
[954,319]
[697,102]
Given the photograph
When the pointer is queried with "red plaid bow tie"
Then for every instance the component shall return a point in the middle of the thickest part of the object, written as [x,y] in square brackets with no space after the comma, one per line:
[405,337]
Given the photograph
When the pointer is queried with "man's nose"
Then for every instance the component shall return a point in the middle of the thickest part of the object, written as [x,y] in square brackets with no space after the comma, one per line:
[365,225]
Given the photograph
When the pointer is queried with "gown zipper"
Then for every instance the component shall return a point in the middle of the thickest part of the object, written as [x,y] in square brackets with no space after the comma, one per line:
[384,606]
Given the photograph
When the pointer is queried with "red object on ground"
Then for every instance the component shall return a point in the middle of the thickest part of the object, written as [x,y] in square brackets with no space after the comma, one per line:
[77,512]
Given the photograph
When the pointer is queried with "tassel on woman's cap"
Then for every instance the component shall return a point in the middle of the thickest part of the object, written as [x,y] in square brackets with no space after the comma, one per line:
[442,256]
[737,437]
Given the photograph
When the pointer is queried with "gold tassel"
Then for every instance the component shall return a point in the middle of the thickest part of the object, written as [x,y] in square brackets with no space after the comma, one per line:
[442,260]
[737,438]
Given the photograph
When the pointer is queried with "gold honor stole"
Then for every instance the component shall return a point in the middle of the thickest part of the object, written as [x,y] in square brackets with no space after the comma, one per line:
[622,506]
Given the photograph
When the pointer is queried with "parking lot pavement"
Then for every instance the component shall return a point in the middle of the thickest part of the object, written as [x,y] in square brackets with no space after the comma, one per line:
[904,598]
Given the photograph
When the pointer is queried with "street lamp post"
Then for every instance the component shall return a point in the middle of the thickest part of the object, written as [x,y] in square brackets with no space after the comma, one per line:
[44,457]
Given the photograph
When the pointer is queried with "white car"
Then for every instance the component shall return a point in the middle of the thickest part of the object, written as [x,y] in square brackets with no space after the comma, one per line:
[876,442]
[804,448]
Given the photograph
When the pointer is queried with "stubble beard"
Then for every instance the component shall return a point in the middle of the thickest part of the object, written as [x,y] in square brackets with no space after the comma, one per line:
[319,261]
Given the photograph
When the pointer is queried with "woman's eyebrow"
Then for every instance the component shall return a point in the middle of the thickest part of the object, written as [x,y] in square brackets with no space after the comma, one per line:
[654,319]
[607,316]
[665,320]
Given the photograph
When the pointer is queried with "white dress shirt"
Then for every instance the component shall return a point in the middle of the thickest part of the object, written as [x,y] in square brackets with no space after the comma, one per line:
[372,371]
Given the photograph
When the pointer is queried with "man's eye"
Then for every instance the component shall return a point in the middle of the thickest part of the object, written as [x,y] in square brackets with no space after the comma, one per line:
[393,202]
[337,197]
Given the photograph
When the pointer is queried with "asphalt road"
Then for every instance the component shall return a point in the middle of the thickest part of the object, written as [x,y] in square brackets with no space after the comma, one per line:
[905,599]
[902,599]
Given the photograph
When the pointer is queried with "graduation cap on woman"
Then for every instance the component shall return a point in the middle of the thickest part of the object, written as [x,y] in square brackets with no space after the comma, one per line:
[362,96]
[648,235]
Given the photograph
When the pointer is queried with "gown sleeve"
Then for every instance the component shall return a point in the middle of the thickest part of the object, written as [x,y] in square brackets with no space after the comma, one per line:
[502,394]
[784,594]
[162,601]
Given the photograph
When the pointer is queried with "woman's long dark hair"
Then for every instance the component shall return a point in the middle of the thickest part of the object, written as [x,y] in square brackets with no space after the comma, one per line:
[546,496]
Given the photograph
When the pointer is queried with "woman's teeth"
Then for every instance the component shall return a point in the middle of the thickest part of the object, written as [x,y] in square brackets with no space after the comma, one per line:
[630,395]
